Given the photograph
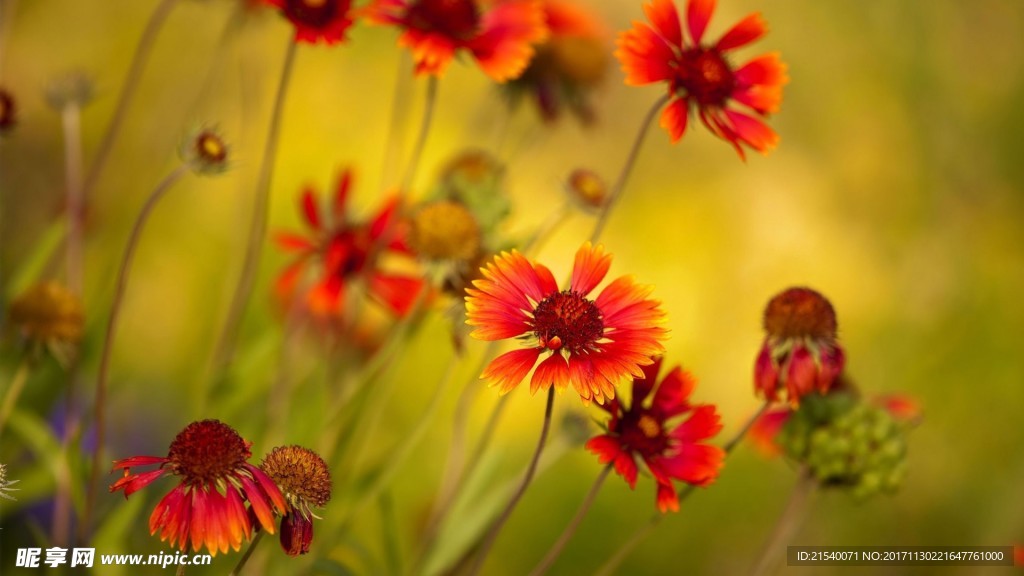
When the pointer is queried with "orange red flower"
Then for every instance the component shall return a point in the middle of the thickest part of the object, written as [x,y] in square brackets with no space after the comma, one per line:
[317,20]
[207,508]
[591,344]
[665,431]
[345,250]
[498,34]
[700,77]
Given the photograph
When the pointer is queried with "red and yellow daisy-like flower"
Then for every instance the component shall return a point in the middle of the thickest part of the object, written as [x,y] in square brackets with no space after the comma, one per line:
[800,351]
[317,20]
[345,251]
[591,343]
[207,509]
[665,431]
[499,34]
[700,77]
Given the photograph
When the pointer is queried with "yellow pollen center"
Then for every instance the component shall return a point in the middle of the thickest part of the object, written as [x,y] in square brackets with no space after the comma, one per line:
[212,147]
[649,426]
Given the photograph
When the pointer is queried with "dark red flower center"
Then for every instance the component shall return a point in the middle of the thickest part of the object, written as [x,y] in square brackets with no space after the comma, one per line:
[642,433]
[347,252]
[207,451]
[458,19]
[567,320]
[705,76]
[6,109]
[314,13]
[798,313]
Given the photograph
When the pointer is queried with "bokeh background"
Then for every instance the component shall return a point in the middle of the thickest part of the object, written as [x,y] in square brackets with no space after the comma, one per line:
[897,190]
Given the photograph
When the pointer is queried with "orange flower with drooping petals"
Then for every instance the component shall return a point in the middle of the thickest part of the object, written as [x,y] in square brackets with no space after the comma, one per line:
[700,77]
[592,344]
[207,508]
[499,34]
[317,20]
[346,250]
[654,429]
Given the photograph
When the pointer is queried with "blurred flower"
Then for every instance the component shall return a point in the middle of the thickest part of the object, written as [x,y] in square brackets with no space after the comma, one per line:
[568,65]
[8,111]
[499,34]
[700,78]
[317,20]
[71,89]
[211,458]
[654,430]
[205,151]
[587,189]
[476,179]
[346,251]
[49,316]
[800,351]
[593,343]
[305,481]
[5,484]
[444,230]
[765,430]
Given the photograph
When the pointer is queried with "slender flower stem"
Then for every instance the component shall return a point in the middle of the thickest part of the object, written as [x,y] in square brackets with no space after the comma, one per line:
[624,551]
[71,117]
[108,340]
[131,83]
[570,530]
[787,524]
[14,391]
[627,168]
[245,557]
[258,226]
[492,534]
[421,139]
[397,119]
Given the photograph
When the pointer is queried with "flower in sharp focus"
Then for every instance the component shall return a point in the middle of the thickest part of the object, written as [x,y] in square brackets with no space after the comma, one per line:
[345,251]
[591,343]
[568,65]
[800,352]
[49,316]
[207,508]
[205,151]
[700,77]
[303,477]
[664,430]
[8,111]
[317,20]
[498,34]
[5,484]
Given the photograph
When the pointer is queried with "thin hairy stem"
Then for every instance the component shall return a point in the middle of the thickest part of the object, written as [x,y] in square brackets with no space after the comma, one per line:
[421,139]
[570,530]
[71,123]
[14,391]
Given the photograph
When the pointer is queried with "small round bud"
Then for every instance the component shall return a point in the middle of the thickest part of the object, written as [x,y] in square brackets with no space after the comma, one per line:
[587,188]
[445,230]
[205,151]
[48,313]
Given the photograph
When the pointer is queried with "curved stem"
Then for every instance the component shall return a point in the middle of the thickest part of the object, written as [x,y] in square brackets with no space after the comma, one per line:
[570,530]
[627,168]
[108,339]
[71,123]
[624,551]
[787,524]
[258,226]
[245,557]
[131,83]
[492,534]
[14,391]
[421,138]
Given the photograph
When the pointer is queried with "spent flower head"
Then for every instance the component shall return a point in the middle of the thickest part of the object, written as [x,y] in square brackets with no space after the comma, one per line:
[591,344]
[5,484]
[207,507]
[444,230]
[49,316]
[304,479]
[700,78]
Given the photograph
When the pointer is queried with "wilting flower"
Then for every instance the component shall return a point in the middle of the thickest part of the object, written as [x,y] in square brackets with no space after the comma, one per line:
[498,34]
[207,507]
[317,20]
[665,431]
[303,477]
[444,230]
[8,111]
[800,352]
[568,66]
[700,77]
[345,251]
[49,316]
[592,344]
[5,484]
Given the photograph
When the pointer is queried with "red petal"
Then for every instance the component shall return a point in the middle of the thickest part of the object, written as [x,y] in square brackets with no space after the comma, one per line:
[667,499]
[673,394]
[766,428]
[662,13]
[696,463]
[399,293]
[310,209]
[642,386]
[766,373]
[746,31]
[645,56]
[339,209]
[755,133]
[509,369]
[703,423]
[590,267]
[674,117]
[508,32]
[698,13]
[767,69]
[553,371]
[136,482]
[294,242]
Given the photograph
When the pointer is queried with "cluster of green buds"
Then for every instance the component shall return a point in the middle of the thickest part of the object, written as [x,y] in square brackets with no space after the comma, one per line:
[847,443]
